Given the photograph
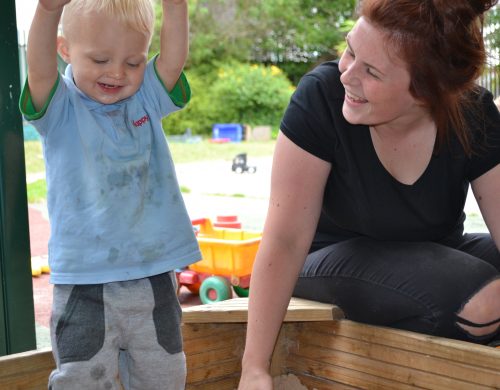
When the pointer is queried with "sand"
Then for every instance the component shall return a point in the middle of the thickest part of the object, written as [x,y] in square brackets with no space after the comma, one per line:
[287,382]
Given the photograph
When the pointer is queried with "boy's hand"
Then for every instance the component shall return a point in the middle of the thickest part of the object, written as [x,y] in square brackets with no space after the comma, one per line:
[53,5]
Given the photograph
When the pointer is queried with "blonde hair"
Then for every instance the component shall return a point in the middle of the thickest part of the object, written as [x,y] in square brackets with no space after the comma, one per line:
[135,14]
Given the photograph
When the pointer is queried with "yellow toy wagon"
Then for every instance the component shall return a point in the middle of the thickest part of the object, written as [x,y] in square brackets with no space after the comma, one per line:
[227,260]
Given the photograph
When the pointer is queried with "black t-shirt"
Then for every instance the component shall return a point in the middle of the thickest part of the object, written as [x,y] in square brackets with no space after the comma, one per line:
[361,198]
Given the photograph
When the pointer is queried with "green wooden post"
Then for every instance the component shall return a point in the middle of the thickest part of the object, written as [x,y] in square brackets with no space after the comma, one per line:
[17,322]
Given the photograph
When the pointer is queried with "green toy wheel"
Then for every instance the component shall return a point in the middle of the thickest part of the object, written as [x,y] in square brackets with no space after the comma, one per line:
[241,292]
[215,289]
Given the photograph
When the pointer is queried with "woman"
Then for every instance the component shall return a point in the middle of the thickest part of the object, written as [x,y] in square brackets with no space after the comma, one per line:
[370,176]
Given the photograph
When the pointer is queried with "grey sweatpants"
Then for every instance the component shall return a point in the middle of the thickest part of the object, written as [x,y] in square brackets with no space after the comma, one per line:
[121,333]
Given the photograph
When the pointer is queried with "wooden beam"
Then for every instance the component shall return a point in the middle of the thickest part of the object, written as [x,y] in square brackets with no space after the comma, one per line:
[332,354]
[26,370]
[236,310]
[368,357]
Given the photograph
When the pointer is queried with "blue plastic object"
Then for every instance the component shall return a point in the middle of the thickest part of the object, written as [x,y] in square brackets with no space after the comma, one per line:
[231,131]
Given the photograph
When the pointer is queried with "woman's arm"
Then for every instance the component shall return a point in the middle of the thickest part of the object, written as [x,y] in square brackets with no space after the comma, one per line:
[297,185]
[486,189]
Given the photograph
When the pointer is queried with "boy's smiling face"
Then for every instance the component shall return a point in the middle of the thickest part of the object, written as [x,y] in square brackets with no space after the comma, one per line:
[108,58]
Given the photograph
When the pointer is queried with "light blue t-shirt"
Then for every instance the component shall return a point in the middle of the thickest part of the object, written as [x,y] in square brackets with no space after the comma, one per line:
[115,207]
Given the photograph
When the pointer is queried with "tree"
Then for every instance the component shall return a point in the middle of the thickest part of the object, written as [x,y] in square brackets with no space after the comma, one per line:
[292,34]
[492,31]
[490,78]
[238,49]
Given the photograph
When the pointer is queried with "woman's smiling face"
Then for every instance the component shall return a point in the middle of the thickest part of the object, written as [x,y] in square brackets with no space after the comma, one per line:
[377,84]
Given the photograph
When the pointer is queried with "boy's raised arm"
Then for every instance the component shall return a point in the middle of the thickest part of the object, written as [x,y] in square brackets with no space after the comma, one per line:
[42,50]
[174,41]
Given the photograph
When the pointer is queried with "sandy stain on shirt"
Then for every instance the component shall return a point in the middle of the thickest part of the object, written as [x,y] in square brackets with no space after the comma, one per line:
[126,177]
[153,252]
[113,255]
[119,179]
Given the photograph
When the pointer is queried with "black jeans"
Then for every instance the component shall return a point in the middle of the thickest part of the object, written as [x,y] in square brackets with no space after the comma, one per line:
[417,286]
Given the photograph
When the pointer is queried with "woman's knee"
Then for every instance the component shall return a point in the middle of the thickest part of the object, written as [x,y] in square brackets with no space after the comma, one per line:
[480,315]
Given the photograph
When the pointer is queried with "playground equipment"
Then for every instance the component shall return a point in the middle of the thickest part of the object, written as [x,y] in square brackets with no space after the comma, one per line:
[240,164]
[227,221]
[227,260]
[39,265]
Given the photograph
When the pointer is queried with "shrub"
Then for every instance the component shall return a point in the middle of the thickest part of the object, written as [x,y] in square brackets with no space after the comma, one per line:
[251,94]
[239,93]
[198,115]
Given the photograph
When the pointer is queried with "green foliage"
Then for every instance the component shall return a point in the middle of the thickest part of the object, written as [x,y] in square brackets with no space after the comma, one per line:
[280,32]
[239,93]
[491,74]
[296,30]
[199,115]
[345,27]
[227,35]
[492,30]
[37,191]
[251,94]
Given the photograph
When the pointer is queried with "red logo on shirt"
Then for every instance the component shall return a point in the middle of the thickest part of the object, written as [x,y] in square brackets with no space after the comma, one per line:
[141,121]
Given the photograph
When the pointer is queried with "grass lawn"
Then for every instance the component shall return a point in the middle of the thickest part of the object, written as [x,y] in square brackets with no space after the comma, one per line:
[34,157]
[203,151]
[181,153]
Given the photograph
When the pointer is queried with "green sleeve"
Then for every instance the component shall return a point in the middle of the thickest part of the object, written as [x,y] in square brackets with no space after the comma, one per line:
[26,103]
[181,93]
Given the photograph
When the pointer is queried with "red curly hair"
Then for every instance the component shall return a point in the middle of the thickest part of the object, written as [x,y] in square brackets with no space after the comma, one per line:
[441,41]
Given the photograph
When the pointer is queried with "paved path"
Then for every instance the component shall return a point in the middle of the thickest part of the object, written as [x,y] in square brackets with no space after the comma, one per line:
[215,190]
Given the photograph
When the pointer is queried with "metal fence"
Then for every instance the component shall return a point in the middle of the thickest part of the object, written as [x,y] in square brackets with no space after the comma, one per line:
[490,80]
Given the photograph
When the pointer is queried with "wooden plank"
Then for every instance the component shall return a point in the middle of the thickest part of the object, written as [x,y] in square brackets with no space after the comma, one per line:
[233,338]
[280,352]
[217,371]
[453,350]
[236,310]
[208,358]
[229,383]
[357,379]
[312,382]
[195,331]
[386,371]
[26,370]
[324,353]
[28,381]
[436,369]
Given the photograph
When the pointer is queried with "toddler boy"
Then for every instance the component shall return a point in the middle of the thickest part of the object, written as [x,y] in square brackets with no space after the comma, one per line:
[118,222]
